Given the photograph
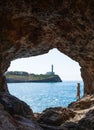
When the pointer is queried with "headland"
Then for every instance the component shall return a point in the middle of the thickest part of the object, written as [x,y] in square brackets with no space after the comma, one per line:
[21,77]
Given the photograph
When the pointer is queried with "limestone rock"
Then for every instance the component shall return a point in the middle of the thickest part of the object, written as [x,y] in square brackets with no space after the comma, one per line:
[65,126]
[82,120]
[83,103]
[55,116]
[88,121]
[15,106]
[70,126]
[16,122]
[33,27]
[29,28]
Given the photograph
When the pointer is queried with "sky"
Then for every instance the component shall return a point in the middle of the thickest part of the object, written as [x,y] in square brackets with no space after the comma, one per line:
[64,66]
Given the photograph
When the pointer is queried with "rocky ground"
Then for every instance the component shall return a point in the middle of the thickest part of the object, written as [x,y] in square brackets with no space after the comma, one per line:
[78,116]
[17,115]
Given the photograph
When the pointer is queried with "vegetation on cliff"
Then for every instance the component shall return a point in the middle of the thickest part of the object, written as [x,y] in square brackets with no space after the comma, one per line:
[16,76]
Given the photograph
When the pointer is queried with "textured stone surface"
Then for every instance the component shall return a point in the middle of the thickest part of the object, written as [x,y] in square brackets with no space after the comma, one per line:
[82,118]
[29,28]
[15,121]
[65,126]
[88,121]
[55,116]
[84,103]
[33,27]
[71,126]
[15,106]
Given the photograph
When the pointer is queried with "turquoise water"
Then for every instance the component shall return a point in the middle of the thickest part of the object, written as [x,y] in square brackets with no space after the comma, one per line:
[40,96]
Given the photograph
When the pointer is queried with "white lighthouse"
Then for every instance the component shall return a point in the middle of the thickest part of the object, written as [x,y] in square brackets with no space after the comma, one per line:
[52,71]
[52,67]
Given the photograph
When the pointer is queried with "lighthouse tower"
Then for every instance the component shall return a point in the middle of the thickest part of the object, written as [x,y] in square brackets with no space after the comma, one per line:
[52,71]
[52,67]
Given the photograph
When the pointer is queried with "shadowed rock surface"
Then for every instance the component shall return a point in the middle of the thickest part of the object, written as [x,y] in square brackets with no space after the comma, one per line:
[15,114]
[15,106]
[65,126]
[69,119]
[84,103]
[55,116]
[33,27]
[88,121]
[30,28]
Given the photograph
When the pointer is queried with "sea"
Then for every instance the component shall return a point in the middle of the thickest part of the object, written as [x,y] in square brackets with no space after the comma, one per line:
[40,96]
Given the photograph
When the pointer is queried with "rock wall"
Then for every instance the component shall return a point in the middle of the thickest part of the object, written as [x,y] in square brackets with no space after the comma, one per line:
[30,27]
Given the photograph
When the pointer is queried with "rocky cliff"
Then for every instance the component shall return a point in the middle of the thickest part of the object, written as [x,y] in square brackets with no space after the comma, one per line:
[33,27]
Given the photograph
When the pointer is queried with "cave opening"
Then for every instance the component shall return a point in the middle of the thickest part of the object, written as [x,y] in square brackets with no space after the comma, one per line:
[64,66]
[30,28]
[44,95]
